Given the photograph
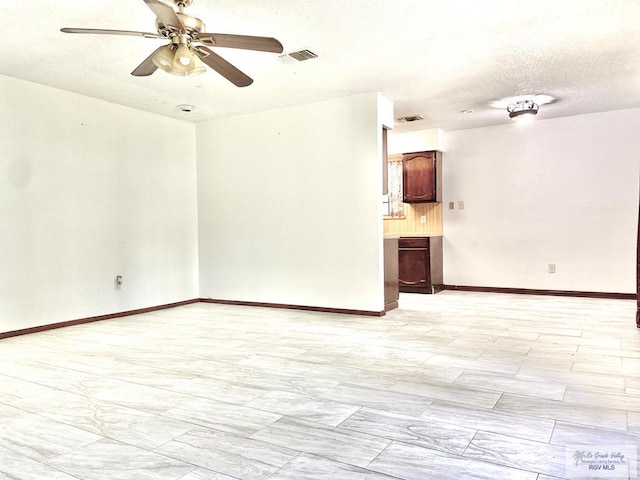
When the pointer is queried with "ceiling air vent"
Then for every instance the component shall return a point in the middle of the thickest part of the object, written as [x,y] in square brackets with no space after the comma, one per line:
[412,118]
[299,56]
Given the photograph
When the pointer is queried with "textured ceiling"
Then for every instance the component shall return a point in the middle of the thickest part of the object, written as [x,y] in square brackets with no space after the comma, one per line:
[431,57]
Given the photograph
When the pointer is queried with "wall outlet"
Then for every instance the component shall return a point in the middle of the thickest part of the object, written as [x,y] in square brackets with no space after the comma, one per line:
[452,205]
[460,204]
[423,219]
[552,268]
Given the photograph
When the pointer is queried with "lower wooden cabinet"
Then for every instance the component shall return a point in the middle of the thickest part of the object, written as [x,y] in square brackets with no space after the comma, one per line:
[391,287]
[420,264]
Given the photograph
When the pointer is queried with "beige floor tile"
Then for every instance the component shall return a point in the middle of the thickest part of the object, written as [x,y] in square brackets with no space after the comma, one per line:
[337,444]
[411,462]
[608,382]
[429,433]
[585,414]
[449,392]
[228,454]
[491,420]
[602,369]
[222,392]
[572,434]
[518,453]
[631,366]
[310,467]
[621,401]
[509,384]
[633,422]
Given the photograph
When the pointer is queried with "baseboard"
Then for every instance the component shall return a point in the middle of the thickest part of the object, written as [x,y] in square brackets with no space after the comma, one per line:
[80,321]
[430,290]
[391,306]
[532,291]
[368,313]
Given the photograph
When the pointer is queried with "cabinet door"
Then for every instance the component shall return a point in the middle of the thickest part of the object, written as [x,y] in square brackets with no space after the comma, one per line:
[413,265]
[419,177]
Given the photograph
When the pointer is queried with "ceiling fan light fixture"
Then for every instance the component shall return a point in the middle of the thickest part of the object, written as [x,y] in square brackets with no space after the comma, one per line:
[163,58]
[198,66]
[523,109]
[192,68]
[171,60]
[183,56]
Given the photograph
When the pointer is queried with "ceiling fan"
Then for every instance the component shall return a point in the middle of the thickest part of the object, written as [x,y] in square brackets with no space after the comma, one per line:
[181,56]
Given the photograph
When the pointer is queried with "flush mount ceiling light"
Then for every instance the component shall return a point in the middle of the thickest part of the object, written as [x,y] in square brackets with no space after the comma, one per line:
[538,98]
[522,108]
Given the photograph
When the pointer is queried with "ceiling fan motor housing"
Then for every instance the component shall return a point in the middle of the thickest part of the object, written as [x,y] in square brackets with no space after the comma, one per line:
[191,24]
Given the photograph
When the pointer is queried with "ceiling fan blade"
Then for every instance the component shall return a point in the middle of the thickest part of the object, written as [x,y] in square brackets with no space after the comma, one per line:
[147,67]
[224,68]
[101,31]
[166,14]
[246,42]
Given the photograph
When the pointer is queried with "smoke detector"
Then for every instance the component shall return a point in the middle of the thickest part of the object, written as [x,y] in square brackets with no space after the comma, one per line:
[185,108]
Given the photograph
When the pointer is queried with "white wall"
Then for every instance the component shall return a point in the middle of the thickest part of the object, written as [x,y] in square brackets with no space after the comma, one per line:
[90,190]
[289,206]
[417,141]
[561,191]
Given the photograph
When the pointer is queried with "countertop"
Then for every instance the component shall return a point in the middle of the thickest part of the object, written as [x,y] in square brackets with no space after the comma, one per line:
[409,235]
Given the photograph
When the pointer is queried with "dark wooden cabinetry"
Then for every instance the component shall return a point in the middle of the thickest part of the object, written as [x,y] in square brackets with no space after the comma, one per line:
[391,286]
[422,177]
[420,264]
[638,273]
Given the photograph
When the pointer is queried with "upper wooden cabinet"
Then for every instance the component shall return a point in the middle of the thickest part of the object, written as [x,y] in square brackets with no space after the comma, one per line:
[422,177]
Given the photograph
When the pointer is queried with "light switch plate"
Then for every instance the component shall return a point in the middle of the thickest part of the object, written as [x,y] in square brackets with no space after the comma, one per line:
[460,204]
[451,205]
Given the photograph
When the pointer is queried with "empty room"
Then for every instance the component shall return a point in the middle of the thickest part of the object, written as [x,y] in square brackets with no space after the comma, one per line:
[319,240]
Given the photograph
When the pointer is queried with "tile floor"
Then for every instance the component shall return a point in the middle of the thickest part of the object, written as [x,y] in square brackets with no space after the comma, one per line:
[450,386]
